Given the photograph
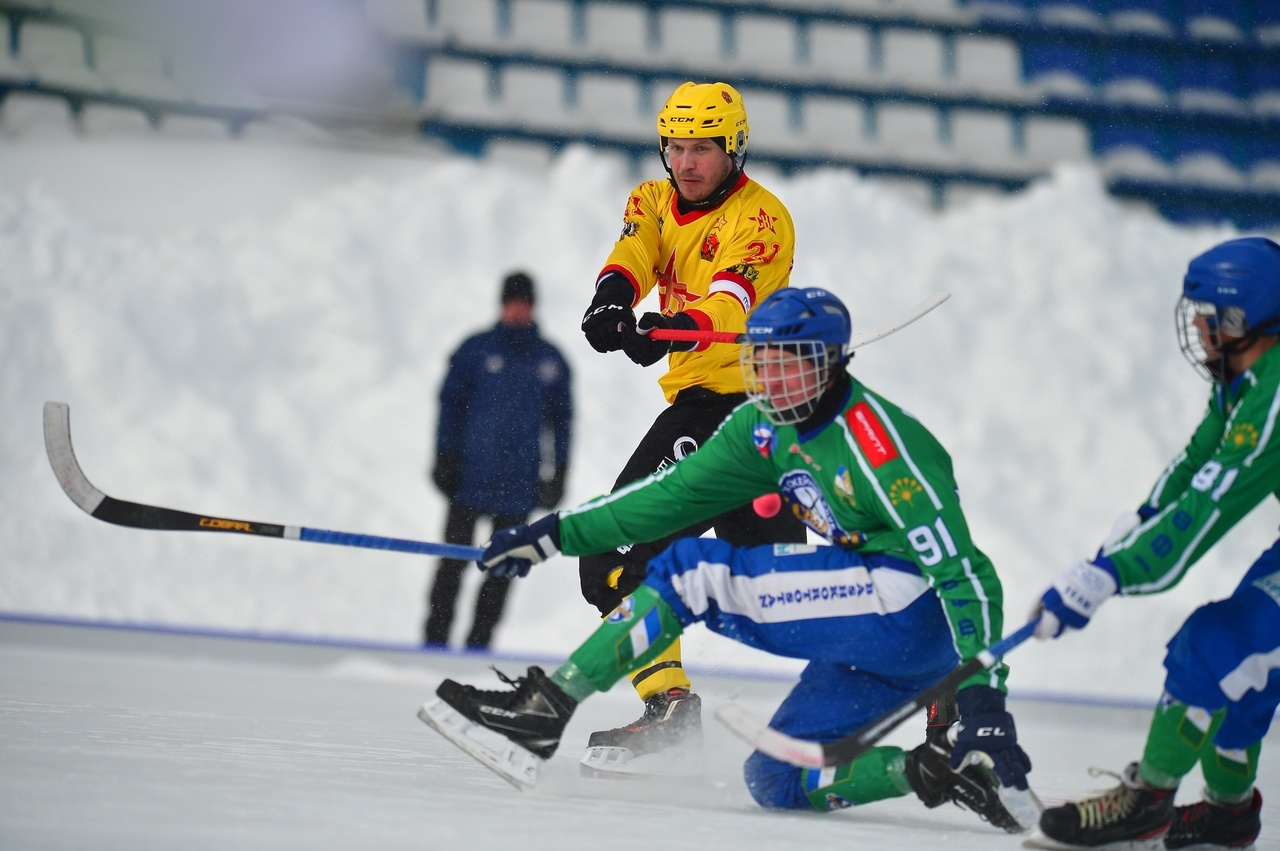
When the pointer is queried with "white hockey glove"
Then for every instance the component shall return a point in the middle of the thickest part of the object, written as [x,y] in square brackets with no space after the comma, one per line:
[1123,525]
[1075,596]
[512,551]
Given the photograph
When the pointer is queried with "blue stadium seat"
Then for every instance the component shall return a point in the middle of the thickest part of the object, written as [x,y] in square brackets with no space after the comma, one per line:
[1150,17]
[1208,158]
[1111,136]
[1077,14]
[1135,75]
[1206,83]
[1214,20]
[1264,88]
[1058,68]
[1266,23]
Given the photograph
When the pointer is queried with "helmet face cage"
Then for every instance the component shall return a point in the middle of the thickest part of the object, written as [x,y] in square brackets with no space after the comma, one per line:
[1201,326]
[785,380]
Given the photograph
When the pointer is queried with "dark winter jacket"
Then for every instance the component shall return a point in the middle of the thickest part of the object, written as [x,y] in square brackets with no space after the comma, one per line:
[505,386]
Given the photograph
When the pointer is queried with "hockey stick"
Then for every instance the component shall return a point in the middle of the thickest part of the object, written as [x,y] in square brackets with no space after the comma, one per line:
[808,754]
[57,442]
[855,342]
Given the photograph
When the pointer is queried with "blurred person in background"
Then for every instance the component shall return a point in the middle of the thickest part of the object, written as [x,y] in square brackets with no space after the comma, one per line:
[502,448]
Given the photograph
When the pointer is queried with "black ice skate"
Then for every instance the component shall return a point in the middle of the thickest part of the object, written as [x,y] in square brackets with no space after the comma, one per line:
[509,731]
[1208,825]
[972,788]
[671,725]
[1132,815]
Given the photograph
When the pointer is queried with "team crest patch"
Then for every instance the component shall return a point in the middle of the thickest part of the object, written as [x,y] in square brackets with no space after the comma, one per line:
[1242,436]
[710,246]
[905,490]
[810,505]
[871,435]
[626,611]
[765,439]
[844,485]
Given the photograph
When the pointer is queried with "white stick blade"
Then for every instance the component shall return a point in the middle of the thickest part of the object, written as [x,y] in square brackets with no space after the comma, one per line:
[57,443]
[928,304]
[767,740]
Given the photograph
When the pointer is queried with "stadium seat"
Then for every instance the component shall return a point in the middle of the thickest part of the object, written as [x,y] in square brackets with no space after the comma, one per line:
[55,56]
[1146,17]
[836,125]
[988,65]
[690,36]
[1058,68]
[460,88]
[544,26]
[10,68]
[471,22]
[983,138]
[1052,140]
[614,104]
[1134,75]
[1214,20]
[134,68]
[914,58]
[404,19]
[773,125]
[1266,23]
[1264,88]
[1209,84]
[1134,163]
[25,115]
[1008,11]
[533,95]
[618,31]
[840,52]
[910,133]
[764,43]
[1208,159]
[1110,136]
[105,119]
[1072,14]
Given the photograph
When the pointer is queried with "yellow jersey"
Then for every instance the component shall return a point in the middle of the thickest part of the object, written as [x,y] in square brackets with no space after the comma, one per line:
[715,265]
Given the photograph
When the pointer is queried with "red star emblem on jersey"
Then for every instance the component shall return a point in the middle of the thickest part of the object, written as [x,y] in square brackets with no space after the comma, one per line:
[763,221]
[672,292]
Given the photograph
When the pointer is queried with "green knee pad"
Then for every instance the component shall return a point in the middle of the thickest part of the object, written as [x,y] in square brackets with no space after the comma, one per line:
[874,776]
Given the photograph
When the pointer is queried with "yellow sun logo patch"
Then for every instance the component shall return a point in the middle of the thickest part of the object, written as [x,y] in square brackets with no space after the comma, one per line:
[904,490]
[1242,436]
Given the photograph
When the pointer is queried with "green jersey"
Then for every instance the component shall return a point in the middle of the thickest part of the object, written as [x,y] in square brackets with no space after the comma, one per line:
[1231,464]
[874,479]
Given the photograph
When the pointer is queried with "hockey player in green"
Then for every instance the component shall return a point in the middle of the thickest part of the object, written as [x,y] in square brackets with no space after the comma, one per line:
[1223,666]
[897,601]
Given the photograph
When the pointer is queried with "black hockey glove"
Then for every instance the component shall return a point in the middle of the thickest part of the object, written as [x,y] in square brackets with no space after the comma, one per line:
[512,551]
[986,732]
[447,474]
[551,491]
[645,350]
[609,312]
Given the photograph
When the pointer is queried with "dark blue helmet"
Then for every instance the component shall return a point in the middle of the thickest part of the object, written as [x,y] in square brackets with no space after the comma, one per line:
[800,315]
[1230,294]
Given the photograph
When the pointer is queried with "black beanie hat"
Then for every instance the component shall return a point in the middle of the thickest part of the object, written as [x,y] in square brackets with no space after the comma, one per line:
[517,287]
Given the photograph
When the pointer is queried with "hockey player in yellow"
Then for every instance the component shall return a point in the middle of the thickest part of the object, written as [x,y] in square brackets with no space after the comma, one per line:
[714,244]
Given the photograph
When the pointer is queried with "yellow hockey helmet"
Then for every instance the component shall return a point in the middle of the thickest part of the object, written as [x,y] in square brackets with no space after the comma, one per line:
[706,111]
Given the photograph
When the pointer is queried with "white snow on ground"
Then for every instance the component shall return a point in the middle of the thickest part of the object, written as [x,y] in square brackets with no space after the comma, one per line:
[258,330]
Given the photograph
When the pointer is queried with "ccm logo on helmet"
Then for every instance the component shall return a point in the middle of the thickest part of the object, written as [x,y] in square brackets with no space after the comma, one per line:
[681,119]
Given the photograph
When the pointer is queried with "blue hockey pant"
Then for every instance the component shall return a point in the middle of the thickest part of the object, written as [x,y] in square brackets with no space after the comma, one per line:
[872,629]
[1227,653]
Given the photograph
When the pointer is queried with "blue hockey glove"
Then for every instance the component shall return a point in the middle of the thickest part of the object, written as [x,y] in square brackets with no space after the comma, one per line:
[985,734]
[512,551]
[1075,596]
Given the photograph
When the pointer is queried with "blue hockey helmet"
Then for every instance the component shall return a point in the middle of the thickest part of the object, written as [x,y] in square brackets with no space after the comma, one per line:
[1231,293]
[795,341]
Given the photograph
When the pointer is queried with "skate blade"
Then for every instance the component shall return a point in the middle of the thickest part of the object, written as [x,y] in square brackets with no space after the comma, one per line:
[494,751]
[1039,840]
[613,763]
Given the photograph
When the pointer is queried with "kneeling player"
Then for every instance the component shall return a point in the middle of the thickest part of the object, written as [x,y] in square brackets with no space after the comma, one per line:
[880,615]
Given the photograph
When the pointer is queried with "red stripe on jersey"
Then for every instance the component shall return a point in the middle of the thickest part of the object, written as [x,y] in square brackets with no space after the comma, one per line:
[871,435]
[735,286]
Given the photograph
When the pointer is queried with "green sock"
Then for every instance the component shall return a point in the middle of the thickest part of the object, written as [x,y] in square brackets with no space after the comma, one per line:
[631,637]
[874,776]
[1229,774]
[1179,734]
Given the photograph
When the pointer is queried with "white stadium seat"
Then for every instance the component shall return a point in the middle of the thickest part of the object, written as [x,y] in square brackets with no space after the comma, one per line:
[913,57]
[55,55]
[617,31]
[543,26]
[766,43]
[840,52]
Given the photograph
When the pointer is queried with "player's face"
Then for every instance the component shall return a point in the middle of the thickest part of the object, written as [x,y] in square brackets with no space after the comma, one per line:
[698,166]
[785,378]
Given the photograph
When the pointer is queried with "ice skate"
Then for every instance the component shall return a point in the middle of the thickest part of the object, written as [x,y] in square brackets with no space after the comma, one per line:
[974,787]
[666,740]
[1208,825]
[1130,816]
[511,732]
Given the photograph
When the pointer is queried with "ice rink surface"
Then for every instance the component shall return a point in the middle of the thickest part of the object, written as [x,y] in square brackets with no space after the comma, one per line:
[119,738]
